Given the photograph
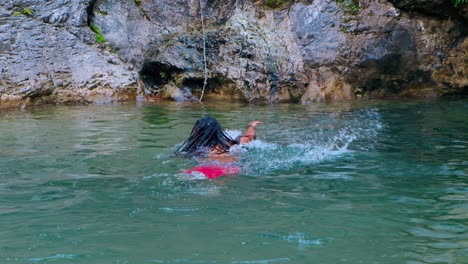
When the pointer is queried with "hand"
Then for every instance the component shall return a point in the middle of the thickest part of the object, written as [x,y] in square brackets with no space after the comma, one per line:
[254,123]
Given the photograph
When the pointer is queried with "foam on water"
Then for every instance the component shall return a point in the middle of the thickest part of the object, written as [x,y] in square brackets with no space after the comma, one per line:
[299,238]
[261,261]
[54,257]
[326,138]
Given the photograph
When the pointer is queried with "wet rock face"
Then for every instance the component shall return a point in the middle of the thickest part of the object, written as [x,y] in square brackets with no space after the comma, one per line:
[45,50]
[454,70]
[294,51]
[302,52]
[318,32]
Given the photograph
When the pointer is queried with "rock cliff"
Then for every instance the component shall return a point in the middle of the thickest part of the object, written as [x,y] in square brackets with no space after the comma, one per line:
[255,50]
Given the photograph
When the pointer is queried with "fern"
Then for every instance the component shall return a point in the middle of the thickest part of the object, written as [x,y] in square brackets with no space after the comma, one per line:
[459,3]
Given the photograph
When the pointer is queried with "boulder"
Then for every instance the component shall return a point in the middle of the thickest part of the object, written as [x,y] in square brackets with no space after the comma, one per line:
[48,53]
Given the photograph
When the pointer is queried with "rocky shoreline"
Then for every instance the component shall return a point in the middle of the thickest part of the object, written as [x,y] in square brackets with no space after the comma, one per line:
[101,51]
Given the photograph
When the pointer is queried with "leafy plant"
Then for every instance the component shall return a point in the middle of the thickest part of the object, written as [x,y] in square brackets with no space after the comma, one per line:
[351,6]
[138,2]
[17,13]
[99,37]
[28,11]
[459,3]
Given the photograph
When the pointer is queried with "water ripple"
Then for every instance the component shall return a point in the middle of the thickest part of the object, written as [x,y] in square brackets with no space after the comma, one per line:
[261,261]
[54,257]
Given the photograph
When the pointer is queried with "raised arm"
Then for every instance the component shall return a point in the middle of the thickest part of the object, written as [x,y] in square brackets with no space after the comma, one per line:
[249,134]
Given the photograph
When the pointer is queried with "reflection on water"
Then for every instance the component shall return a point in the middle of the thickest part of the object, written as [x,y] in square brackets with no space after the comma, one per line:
[362,182]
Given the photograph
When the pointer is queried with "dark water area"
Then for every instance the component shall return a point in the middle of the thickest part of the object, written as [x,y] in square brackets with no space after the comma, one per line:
[355,182]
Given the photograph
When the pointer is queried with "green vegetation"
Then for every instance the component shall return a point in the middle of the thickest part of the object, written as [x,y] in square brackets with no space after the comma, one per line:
[141,9]
[110,49]
[276,3]
[27,11]
[102,13]
[351,6]
[99,37]
[459,3]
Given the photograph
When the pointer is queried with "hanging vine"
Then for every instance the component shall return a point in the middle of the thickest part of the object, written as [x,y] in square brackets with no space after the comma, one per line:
[204,51]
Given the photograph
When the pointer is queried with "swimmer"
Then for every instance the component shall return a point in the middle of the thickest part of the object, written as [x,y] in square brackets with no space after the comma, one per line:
[208,138]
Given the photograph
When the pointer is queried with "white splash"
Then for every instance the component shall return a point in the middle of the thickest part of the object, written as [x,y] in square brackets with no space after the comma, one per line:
[328,138]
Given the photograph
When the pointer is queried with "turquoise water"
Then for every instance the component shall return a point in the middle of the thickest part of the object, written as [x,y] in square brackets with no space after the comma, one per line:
[359,182]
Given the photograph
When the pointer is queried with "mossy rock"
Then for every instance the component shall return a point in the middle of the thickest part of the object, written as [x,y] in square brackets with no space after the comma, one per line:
[277,3]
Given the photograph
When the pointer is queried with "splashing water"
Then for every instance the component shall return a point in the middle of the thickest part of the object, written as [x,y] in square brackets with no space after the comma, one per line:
[326,138]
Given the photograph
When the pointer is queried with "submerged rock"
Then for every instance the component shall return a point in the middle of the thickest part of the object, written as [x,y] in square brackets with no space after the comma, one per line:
[293,51]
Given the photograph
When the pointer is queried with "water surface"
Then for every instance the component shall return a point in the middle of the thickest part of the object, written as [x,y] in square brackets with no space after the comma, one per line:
[359,182]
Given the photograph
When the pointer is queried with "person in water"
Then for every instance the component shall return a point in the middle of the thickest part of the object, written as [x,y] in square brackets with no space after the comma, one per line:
[209,138]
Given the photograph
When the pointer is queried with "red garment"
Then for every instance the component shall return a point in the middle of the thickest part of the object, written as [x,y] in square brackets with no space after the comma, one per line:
[215,171]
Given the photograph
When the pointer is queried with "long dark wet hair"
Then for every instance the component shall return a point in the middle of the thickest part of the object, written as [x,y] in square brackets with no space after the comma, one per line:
[206,134]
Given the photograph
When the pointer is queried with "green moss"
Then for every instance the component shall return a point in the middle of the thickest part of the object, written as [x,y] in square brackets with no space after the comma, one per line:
[138,2]
[28,11]
[276,3]
[95,29]
[99,37]
[102,13]
[110,49]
